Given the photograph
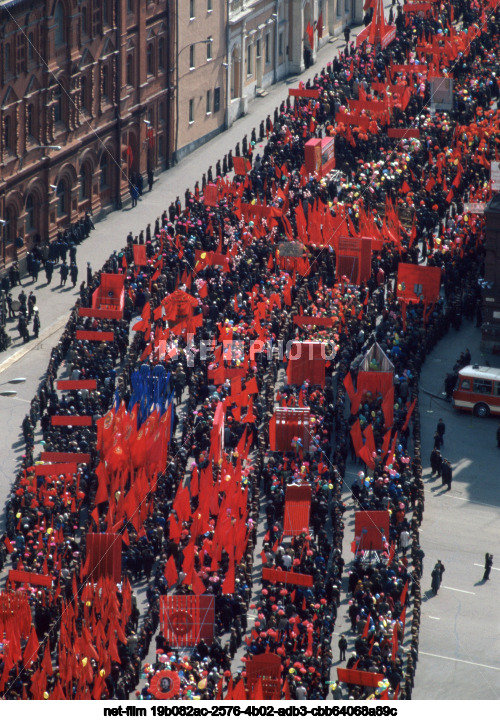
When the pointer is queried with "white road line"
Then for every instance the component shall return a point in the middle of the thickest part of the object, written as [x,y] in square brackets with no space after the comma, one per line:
[435,618]
[481,565]
[471,593]
[477,503]
[459,660]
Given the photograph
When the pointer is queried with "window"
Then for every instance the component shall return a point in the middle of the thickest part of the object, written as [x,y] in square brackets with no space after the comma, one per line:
[482,386]
[268,48]
[104,165]
[346,6]
[130,6]
[161,112]
[84,182]
[465,385]
[21,55]
[339,8]
[150,59]
[105,81]
[29,119]
[249,59]
[191,57]
[280,45]
[7,133]
[6,58]
[31,46]
[161,146]
[209,102]
[216,100]
[61,198]
[258,49]
[191,110]
[59,25]
[84,22]
[84,93]
[105,12]
[209,6]
[58,114]
[130,70]
[191,9]
[209,48]
[30,213]
[161,53]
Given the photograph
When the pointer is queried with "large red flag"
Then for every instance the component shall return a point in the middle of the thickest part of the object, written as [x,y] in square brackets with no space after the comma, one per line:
[171,571]
[31,650]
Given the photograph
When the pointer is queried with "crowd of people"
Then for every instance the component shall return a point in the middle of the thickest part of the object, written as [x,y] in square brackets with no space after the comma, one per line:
[217,260]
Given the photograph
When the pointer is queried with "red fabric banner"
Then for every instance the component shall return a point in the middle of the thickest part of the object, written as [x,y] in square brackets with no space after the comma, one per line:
[303,320]
[416,282]
[306,362]
[287,424]
[403,132]
[210,195]
[187,620]
[100,313]
[369,527]
[104,556]
[140,257]
[32,579]
[89,385]
[71,420]
[374,382]
[54,457]
[296,579]
[359,678]
[55,469]
[297,509]
[99,335]
[266,669]
[241,165]
[303,93]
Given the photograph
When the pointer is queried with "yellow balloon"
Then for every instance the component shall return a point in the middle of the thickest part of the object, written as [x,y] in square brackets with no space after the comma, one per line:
[84,661]
[400,287]
[49,531]
[18,515]
[102,672]
[203,256]
[45,695]
[202,684]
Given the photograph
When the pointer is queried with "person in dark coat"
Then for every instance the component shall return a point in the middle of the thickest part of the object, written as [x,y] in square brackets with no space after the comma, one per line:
[436,462]
[446,473]
[64,273]
[440,430]
[488,563]
[73,271]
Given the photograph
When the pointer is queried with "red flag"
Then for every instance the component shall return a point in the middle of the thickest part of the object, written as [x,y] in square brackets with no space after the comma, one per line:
[239,692]
[31,650]
[258,691]
[367,626]
[171,571]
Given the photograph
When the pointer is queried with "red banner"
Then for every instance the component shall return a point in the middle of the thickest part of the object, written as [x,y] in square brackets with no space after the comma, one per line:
[418,282]
[297,509]
[369,527]
[187,620]
[54,457]
[374,382]
[286,425]
[210,195]
[359,678]
[266,669]
[55,469]
[89,385]
[303,320]
[104,556]
[403,133]
[32,579]
[241,165]
[99,335]
[306,362]
[71,420]
[110,295]
[140,257]
[303,93]
[296,579]
[100,313]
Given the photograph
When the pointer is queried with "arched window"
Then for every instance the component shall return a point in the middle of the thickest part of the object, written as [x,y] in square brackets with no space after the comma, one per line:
[7,133]
[150,58]
[59,25]
[6,58]
[84,21]
[104,165]
[7,228]
[30,119]
[161,53]
[105,81]
[61,198]
[130,69]
[84,182]
[161,146]
[58,108]
[31,46]
[30,213]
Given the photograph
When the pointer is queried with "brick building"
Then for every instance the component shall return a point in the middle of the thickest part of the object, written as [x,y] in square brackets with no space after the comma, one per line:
[85,101]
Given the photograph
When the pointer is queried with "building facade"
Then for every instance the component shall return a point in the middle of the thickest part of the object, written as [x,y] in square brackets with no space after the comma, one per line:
[85,102]
[269,40]
[201,73]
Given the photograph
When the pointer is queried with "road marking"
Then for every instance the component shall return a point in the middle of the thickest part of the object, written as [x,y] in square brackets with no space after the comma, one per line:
[468,500]
[481,565]
[459,660]
[449,588]
[435,618]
